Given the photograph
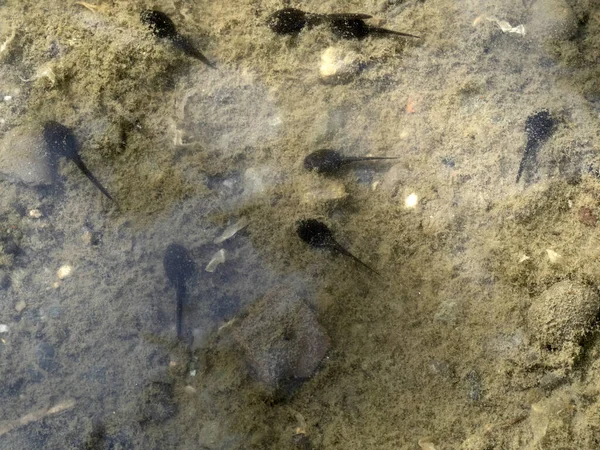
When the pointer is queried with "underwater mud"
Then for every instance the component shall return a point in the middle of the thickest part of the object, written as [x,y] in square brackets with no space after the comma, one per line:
[479,332]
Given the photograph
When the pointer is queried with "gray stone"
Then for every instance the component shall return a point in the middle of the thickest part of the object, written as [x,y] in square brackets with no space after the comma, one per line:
[563,314]
[23,157]
[281,338]
[552,20]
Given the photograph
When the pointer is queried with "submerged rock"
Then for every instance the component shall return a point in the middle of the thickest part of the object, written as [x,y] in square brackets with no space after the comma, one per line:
[282,339]
[23,157]
[552,20]
[563,314]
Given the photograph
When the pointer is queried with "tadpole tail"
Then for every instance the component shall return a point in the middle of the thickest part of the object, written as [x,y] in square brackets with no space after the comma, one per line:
[351,159]
[349,16]
[186,46]
[528,154]
[338,248]
[181,292]
[385,31]
[79,162]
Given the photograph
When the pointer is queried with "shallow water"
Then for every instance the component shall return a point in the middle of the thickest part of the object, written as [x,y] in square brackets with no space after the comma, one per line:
[480,329]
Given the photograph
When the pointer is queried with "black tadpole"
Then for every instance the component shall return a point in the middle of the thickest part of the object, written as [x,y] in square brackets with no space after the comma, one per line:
[318,235]
[345,26]
[163,27]
[538,127]
[328,161]
[179,267]
[61,141]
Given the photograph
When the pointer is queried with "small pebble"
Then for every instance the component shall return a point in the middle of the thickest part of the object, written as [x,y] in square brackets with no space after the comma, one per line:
[553,257]
[35,213]
[411,201]
[3,328]
[190,389]
[339,65]
[64,272]
[7,98]
[20,306]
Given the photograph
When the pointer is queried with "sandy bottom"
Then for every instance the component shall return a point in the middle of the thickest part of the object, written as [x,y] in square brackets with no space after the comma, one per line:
[479,333]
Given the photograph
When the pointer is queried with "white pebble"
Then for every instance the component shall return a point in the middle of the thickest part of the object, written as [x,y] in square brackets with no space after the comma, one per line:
[411,201]
[3,328]
[64,272]
[339,65]
[553,257]
[7,98]
[35,213]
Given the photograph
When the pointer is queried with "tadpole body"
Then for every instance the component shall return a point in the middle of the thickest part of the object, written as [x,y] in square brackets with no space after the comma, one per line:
[61,142]
[538,127]
[163,27]
[318,235]
[327,161]
[345,26]
[179,267]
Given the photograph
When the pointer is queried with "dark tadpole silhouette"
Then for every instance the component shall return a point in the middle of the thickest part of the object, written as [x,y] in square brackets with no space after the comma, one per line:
[163,27]
[179,267]
[538,127]
[345,26]
[61,141]
[328,161]
[318,235]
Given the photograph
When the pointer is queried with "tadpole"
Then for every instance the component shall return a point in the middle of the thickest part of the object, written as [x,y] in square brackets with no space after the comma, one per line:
[61,141]
[163,27]
[318,235]
[179,267]
[538,127]
[328,161]
[345,26]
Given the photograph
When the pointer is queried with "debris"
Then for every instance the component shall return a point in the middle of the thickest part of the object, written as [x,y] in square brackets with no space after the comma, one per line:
[20,306]
[231,230]
[36,416]
[3,328]
[523,258]
[218,258]
[35,213]
[503,24]
[93,8]
[43,72]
